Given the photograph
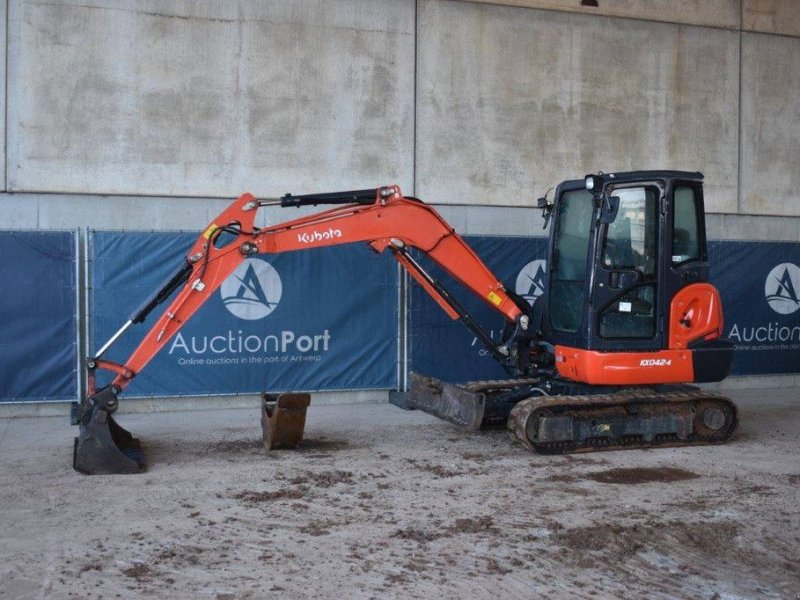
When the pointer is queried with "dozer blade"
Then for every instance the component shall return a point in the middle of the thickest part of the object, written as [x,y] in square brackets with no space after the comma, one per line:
[102,446]
[636,418]
[283,419]
[447,401]
[470,405]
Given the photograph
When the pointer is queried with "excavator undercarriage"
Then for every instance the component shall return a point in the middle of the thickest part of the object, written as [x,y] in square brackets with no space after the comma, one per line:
[544,419]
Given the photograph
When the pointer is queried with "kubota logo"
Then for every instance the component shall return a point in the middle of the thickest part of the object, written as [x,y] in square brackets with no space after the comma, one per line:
[309,237]
[253,290]
[531,280]
[655,362]
[780,288]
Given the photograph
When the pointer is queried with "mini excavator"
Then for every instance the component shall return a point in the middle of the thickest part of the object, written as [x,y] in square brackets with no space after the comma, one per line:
[603,359]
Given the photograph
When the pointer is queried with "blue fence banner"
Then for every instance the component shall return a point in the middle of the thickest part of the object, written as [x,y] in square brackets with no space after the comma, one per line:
[760,287]
[320,319]
[38,329]
[444,348]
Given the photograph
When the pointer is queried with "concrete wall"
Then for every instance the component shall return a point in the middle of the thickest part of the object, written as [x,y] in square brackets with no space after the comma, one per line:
[770,156]
[714,13]
[3,101]
[768,16]
[527,98]
[209,98]
[771,16]
[464,103]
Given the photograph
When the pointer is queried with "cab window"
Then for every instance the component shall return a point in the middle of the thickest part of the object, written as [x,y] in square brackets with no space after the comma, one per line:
[568,275]
[631,245]
[630,241]
[685,238]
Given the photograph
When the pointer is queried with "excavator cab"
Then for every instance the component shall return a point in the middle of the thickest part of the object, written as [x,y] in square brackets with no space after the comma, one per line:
[628,299]
[627,320]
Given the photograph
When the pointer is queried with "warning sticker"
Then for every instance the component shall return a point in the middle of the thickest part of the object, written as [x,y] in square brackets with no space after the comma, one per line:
[210,231]
[494,299]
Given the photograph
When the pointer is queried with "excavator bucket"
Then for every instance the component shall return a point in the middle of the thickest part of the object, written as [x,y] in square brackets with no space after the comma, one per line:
[283,419]
[102,446]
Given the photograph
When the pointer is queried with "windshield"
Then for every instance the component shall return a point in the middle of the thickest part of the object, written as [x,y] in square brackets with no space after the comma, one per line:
[630,241]
[568,275]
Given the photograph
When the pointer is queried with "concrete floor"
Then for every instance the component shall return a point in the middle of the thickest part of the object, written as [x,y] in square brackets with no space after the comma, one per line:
[380,502]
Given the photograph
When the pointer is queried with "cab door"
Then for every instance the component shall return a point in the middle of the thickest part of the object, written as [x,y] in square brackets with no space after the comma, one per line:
[625,305]
[566,295]
[685,256]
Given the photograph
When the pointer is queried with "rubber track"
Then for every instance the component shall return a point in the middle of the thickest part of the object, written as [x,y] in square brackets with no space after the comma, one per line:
[646,399]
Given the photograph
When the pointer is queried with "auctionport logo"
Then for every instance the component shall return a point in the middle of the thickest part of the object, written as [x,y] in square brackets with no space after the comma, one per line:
[781,287]
[253,290]
[531,280]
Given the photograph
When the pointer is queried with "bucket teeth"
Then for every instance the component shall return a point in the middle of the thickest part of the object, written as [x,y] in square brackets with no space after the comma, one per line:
[103,447]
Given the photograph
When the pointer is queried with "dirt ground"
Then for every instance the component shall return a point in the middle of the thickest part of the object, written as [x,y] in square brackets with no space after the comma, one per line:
[381,502]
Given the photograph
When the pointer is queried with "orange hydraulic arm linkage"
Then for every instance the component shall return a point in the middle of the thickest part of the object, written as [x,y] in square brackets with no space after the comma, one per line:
[381,217]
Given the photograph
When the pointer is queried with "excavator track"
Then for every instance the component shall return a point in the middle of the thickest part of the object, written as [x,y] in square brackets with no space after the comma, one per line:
[635,418]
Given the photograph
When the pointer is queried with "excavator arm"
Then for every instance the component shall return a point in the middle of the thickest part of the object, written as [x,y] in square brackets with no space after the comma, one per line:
[381,217]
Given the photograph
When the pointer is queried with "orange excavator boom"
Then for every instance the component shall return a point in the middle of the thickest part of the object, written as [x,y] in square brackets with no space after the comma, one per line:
[381,217]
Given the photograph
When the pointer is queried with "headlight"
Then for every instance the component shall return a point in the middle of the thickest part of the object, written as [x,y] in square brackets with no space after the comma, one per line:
[593,183]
